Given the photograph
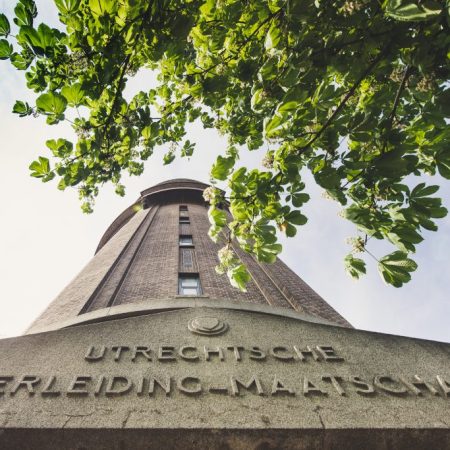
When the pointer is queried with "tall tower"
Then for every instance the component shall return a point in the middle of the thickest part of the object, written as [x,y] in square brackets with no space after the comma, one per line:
[148,347]
[157,252]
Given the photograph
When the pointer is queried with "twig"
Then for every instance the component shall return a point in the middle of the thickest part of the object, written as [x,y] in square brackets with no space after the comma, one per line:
[338,110]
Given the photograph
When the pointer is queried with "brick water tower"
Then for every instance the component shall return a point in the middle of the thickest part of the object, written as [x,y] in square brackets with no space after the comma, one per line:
[157,252]
[148,347]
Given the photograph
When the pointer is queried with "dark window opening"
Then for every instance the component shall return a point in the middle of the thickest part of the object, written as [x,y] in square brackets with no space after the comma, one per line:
[186,241]
[189,285]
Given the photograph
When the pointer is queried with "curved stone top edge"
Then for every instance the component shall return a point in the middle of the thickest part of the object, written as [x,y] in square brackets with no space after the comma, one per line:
[152,307]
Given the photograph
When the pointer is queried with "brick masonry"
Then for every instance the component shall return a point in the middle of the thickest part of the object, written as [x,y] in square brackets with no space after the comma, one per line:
[139,259]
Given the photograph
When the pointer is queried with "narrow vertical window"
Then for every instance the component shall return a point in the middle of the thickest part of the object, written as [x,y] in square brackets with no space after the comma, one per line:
[189,285]
[186,241]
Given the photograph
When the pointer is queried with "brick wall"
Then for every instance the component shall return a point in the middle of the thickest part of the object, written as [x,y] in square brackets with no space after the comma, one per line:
[142,261]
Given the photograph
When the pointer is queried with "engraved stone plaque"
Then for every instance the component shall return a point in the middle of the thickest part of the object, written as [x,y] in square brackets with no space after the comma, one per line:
[270,381]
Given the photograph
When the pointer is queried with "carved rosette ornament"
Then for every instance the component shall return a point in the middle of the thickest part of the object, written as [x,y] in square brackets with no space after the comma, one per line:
[207,326]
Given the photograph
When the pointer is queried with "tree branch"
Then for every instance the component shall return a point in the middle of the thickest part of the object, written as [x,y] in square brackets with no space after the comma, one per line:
[347,97]
[406,74]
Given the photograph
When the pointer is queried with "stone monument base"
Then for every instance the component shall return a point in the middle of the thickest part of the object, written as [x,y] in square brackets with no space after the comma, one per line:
[221,375]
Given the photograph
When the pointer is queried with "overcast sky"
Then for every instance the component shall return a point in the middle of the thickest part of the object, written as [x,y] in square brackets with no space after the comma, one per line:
[45,240]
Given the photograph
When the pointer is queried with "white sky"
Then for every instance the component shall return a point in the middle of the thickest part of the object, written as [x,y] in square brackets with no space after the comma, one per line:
[45,240]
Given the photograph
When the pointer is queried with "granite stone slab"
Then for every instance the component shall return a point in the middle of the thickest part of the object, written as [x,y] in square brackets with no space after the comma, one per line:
[218,378]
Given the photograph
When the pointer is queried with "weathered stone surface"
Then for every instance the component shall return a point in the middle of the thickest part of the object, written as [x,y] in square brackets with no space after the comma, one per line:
[53,381]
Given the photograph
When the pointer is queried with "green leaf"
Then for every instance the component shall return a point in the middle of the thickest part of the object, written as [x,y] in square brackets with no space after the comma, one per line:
[297,218]
[217,216]
[73,94]
[6,49]
[328,178]
[405,10]
[67,6]
[395,268]
[359,216]
[5,28]
[300,199]
[168,157]
[222,167]
[392,164]
[19,61]
[273,37]
[239,210]
[187,149]
[421,190]
[272,125]
[51,103]
[22,108]
[268,253]
[46,37]
[41,169]
[443,163]
[257,100]
[292,99]
[408,233]
[405,237]
[102,7]
[291,231]
[355,267]
[239,277]
[24,15]
[60,148]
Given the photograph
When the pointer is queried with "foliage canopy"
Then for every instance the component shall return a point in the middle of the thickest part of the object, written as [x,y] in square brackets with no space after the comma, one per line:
[355,91]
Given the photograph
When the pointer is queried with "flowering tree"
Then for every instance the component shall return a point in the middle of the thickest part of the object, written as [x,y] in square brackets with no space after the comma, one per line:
[353,91]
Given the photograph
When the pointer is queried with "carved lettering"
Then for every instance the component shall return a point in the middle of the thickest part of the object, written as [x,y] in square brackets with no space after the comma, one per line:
[335,381]
[29,382]
[164,385]
[141,386]
[282,353]
[254,382]
[278,387]
[4,380]
[188,348]
[48,388]
[86,385]
[189,385]
[121,353]
[166,353]
[386,382]
[302,354]
[119,350]
[218,390]
[91,356]
[99,385]
[328,353]
[444,384]
[257,354]
[213,351]
[79,386]
[118,386]
[419,382]
[310,388]
[366,389]
[414,385]
[237,351]
[142,351]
